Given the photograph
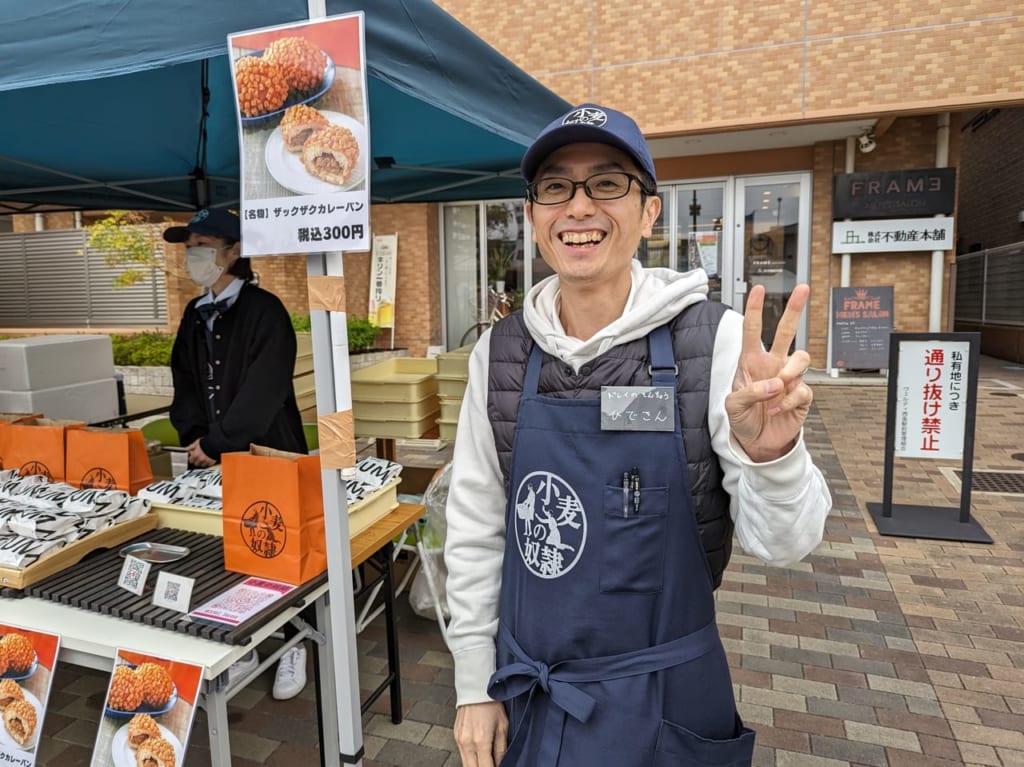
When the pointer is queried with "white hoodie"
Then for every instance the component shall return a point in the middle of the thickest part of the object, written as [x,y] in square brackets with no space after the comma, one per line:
[779,507]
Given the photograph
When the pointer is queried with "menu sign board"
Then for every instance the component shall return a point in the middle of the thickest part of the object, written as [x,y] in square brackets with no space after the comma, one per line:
[304,136]
[861,325]
[148,711]
[28,659]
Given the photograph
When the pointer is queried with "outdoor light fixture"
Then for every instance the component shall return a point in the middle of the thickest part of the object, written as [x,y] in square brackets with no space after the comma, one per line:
[866,143]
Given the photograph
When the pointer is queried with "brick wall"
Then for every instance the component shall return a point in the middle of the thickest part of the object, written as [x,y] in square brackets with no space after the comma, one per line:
[909,143]
[990,190]
[704,65]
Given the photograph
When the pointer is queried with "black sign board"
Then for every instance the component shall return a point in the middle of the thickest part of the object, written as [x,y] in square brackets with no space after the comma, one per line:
[861,325]
[909,520]
[894,194]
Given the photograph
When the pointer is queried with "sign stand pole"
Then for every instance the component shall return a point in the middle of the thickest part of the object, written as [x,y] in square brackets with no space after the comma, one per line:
[916,521]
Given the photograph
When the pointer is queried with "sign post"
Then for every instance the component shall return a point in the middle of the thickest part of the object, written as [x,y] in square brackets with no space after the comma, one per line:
[930,413]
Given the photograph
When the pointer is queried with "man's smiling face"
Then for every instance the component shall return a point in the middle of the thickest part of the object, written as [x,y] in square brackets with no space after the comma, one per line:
[591,242]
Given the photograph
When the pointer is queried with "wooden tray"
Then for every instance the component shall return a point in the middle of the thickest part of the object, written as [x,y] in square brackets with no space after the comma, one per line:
[15,578]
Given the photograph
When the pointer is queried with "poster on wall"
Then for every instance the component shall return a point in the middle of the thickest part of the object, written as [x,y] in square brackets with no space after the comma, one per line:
[862,320]
[148,711]
[383,265]
[931,402]
[27,661]
[705,246]
[304,135]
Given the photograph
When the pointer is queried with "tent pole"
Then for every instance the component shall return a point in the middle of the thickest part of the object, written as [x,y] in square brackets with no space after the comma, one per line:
[333,394]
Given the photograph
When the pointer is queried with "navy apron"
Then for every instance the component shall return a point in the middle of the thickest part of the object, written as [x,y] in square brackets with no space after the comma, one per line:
[608,652]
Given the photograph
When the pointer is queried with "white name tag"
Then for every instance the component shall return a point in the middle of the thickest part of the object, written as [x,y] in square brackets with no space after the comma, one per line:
[638,408]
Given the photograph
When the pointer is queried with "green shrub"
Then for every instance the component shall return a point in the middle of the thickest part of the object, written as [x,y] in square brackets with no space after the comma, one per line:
[143,349]
[361,334]
[300,322]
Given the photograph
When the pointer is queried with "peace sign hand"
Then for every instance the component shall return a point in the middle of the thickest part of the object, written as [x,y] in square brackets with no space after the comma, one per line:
[769,400]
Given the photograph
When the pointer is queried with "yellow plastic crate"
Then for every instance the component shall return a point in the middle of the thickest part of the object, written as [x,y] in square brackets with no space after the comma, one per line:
[450,386]
[361,514]
[377,504]
[399,379]
[305,391]
[393,429]
[395,411]
[209,521]
[450,409]
[447,429]
[455,362]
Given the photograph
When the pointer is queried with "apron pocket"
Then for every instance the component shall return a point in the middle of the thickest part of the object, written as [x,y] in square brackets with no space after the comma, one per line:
[633,548]
[679,746]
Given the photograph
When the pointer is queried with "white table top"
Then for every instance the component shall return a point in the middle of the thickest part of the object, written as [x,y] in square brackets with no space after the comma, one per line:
[91,639]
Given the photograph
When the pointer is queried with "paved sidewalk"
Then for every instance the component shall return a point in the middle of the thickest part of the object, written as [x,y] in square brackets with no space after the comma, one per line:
[875,651]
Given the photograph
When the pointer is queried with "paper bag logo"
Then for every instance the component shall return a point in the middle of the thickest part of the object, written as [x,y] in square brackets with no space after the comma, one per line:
[99,478]
[263,530]
[36,467]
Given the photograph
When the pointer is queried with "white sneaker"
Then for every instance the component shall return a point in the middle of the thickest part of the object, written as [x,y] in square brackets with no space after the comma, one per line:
[241,667]
[291,674]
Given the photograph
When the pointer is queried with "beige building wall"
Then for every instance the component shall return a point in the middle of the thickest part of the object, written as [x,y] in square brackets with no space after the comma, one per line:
[709,68]
[713,64]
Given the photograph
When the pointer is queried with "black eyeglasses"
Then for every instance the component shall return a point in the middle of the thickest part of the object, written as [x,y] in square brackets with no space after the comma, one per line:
[600,186]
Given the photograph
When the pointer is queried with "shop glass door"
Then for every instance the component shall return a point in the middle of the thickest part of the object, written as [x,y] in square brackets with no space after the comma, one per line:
[771,245]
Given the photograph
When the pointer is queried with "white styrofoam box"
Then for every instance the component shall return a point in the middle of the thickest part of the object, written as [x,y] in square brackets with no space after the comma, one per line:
[44,362]
[91,401]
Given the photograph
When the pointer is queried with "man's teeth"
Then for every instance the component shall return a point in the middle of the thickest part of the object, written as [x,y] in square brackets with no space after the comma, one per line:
[579,238]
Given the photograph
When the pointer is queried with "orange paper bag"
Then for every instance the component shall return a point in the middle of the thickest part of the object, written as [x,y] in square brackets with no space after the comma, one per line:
[273,515]
[109,459]
[36,446]
[6,419]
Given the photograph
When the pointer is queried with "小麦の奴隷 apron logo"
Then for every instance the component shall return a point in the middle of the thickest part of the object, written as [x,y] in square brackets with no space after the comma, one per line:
[551,524]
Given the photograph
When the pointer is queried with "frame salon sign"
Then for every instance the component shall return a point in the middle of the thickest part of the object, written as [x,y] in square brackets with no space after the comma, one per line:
[889,236]
[889,194]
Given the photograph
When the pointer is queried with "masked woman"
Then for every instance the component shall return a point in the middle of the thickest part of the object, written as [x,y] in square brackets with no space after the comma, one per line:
[234,354]
[232,366]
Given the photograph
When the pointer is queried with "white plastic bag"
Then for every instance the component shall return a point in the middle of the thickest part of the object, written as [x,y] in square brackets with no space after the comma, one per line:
[432,572]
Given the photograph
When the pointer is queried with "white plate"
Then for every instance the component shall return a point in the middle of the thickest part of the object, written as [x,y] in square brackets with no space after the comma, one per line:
[9,742]
[287,168]
[123,756]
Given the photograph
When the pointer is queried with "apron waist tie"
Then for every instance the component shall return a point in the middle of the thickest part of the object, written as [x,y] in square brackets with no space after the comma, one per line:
[525,675]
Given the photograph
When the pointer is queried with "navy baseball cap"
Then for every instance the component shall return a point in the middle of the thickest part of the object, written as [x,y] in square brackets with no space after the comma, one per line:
[586,123]
[213,222]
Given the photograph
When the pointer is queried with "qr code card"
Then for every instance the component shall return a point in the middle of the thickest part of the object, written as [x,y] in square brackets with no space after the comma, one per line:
[173,591]
[133,575]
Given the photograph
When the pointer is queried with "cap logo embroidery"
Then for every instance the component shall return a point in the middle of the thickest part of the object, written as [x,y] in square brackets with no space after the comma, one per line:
[200,216]
[586,116]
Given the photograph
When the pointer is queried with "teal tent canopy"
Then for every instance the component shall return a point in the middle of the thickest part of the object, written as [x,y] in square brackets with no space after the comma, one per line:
[128,103]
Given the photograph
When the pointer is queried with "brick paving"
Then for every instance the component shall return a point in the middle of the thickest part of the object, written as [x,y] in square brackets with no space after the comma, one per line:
[875,651]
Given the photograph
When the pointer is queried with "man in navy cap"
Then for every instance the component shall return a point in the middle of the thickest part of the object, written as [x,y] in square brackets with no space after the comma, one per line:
[614,434]
[232,366]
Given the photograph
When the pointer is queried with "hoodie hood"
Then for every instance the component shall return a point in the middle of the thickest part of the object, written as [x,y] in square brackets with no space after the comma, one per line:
[655,297]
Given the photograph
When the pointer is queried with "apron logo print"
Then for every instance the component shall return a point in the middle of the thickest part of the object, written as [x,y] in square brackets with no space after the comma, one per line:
[551,525]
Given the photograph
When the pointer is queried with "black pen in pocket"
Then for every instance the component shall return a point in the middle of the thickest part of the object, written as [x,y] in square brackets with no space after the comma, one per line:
[636,491]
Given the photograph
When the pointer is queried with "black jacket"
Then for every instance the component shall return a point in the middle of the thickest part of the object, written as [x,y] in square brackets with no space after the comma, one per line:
[253,361]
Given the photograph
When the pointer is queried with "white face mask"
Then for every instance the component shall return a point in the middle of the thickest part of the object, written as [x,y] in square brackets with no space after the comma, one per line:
[201,262]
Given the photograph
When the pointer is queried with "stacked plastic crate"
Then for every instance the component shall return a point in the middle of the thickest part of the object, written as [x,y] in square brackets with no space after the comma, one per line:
[452,374]
[396,398]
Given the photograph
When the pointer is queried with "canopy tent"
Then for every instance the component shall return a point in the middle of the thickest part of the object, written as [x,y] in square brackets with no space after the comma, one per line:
[103,103]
